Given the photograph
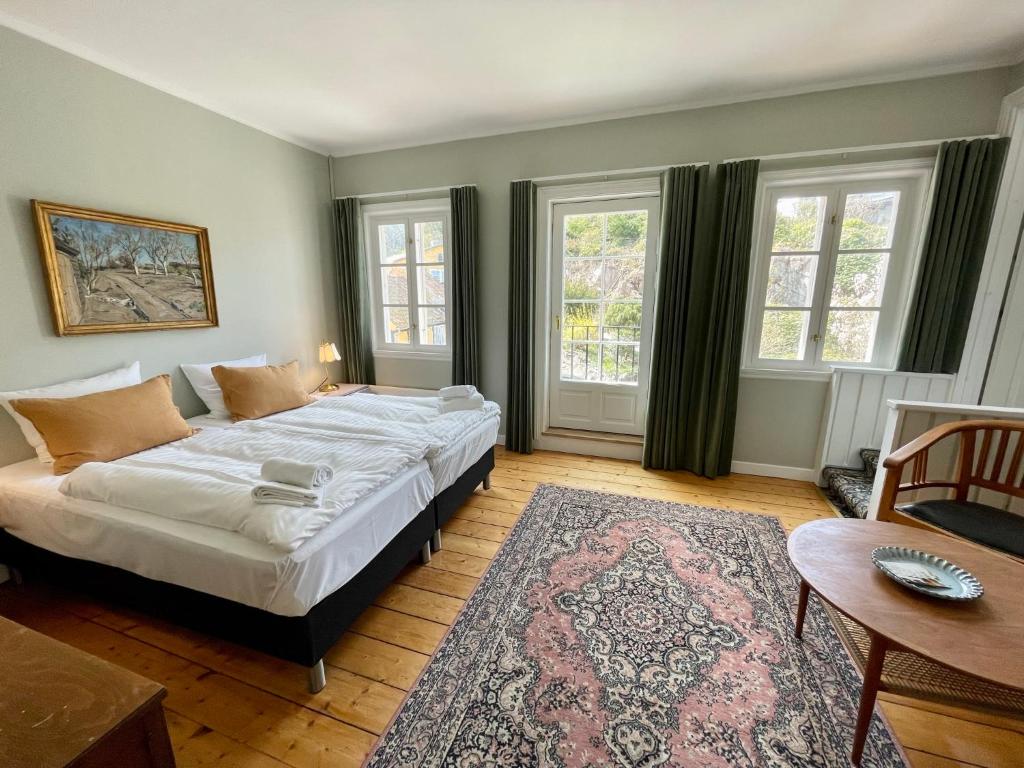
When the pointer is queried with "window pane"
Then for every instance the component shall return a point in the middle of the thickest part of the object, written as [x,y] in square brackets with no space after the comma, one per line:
[850,336]
[584,235]
[798,223]
[869,219]
[622,321]
[396,325]
[581,320]
[623,278]
[627,233]
[581,279]
[392,243]
[619,363]
[432,328]
[394,285]
[430,284]
[859,280]
[784,334]
[581,361]
[791,281]
[429,241]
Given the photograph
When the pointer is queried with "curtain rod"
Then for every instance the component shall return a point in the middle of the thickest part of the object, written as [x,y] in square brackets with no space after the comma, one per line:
[605,174]
[866,148]
[405,192]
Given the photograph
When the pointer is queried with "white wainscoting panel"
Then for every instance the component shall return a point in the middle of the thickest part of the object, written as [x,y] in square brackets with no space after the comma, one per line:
[857,408]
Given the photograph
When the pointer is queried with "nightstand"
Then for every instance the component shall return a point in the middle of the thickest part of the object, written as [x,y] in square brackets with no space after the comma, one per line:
[346,389]
[62,707]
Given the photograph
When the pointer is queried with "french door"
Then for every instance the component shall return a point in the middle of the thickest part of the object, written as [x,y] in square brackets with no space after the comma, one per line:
[603,262]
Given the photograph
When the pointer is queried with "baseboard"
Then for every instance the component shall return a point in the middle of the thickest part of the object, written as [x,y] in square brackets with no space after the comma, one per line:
[588,447]
[775,470]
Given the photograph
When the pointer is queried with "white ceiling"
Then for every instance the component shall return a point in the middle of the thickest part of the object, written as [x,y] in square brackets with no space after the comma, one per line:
[350,76]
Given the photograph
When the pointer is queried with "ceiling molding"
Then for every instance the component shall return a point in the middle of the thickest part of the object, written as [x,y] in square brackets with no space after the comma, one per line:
[832,85]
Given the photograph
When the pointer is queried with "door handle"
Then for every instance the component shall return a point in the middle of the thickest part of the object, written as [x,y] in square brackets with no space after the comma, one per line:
[558,323]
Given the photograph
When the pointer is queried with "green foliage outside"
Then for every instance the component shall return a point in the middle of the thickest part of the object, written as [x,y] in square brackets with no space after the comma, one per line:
[603,297]
[858,281]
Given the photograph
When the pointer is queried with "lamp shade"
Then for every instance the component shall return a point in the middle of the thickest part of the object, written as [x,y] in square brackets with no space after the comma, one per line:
[329,352]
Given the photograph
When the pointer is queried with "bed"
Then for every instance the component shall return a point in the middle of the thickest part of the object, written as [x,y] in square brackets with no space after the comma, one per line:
[293,605]
[462,455]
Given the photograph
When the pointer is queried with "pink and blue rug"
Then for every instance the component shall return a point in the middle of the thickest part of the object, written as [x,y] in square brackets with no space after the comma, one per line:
[619,631]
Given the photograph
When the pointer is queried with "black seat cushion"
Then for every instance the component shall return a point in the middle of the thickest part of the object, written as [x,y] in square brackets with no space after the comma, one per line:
[980,523]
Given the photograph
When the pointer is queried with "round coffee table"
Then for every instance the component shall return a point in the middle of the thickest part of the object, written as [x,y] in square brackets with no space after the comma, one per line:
[983,637]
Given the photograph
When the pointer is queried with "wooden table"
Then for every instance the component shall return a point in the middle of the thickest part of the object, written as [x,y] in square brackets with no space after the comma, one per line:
[984,637]
[62,707]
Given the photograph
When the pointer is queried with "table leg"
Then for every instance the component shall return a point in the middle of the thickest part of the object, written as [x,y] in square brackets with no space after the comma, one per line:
[872,675]
[801,608]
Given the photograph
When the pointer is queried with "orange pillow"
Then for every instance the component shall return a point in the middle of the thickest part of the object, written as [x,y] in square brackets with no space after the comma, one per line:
[106,425]
[250,393]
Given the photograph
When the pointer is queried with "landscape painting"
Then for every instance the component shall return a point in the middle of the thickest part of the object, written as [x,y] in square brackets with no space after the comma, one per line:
[109,272]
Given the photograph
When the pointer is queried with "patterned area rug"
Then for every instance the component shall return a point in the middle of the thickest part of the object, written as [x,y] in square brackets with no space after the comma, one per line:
[618,631]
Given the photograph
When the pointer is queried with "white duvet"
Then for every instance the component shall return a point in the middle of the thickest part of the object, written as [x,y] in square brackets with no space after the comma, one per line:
[208,478]
[388,416]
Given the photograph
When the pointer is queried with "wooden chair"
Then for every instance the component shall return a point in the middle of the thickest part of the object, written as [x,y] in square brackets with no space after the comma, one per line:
[989,458]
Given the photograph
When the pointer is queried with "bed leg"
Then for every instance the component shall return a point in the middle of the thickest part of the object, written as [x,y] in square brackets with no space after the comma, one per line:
[435,541]
[425,553]
[317,677]
[487,481]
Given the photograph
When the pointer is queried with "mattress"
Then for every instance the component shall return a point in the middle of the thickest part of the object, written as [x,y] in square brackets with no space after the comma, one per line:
[463,453]
[446,466]
[211,560]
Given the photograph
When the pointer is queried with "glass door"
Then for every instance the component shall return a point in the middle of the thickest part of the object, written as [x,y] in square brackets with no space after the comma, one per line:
[603,264]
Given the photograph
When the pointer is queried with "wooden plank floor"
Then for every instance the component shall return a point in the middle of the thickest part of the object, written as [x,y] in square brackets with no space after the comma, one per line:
[233,707]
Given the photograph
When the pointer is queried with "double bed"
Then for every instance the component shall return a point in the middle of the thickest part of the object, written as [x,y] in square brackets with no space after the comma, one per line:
[291,604]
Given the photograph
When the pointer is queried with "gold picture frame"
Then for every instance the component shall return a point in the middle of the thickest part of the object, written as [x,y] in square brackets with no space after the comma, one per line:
[110,273]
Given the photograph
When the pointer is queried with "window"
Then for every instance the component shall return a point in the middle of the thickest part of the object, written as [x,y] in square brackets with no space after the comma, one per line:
[406,247]
[832,266]
[603,262]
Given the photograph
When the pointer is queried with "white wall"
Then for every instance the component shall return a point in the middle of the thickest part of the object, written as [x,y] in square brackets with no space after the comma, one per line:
[778,422]
[76,133]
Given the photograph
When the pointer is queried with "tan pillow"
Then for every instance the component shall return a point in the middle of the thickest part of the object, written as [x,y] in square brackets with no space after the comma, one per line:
[105,425]
[250,393]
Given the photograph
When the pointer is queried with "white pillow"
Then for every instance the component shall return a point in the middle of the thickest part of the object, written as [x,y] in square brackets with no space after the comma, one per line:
[116,379]
[202,381]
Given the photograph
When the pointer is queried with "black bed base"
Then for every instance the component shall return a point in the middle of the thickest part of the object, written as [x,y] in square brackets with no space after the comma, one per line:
[301,639]
[451,498]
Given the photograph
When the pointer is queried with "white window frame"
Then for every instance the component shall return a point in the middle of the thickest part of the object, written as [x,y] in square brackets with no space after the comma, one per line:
[408,213]
[912,178]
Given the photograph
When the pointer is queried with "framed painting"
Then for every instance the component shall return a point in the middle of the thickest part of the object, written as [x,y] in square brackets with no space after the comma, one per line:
[107,272]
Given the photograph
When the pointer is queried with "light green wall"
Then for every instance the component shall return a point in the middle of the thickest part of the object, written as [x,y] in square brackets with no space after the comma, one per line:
[1015,77]
[950,106]
[76,133]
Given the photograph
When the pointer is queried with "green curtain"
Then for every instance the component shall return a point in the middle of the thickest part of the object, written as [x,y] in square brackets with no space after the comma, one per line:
[966,184]
[354,343]
[713,438]
[699,310]
[465,351]
[521,278]
[678,328]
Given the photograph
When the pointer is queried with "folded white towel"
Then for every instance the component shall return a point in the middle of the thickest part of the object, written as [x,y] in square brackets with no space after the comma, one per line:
[473,403]
[458,391]
[297,473]
[287,495]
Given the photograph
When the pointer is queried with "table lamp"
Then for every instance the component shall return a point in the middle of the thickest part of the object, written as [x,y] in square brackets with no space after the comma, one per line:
[328,354]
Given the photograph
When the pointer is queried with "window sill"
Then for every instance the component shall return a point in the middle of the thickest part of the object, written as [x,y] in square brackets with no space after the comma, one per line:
[785,375]
[440,357]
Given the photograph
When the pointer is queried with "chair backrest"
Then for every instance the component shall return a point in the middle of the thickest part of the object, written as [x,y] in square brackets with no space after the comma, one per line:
[991,456]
